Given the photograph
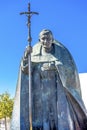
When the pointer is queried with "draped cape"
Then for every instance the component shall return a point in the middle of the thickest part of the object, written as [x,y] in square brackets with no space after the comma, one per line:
[71,112]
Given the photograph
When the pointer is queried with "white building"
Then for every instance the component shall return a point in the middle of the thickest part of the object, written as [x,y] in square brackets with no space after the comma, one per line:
[83,82]
[2,124]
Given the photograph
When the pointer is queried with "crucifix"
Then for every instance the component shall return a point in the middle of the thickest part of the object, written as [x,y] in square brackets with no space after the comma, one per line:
[29,14]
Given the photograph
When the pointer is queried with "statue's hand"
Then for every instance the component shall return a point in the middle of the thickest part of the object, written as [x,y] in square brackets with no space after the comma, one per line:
[48,66]
[27,51]
[24,63]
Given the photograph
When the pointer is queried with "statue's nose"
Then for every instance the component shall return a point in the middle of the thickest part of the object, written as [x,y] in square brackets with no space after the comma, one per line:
[45,40]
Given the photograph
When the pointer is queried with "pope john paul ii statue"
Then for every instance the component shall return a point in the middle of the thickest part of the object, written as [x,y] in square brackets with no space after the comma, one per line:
[56,95]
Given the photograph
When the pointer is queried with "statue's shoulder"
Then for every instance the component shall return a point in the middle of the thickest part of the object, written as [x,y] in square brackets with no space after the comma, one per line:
[61,50]
[60,47]
[59,44]
[36,49]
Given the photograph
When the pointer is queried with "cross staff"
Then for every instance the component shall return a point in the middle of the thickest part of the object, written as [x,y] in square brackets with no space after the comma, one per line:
[29,49]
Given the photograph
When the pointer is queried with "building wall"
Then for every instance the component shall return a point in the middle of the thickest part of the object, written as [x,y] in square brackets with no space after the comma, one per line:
[2,124]
[83,82]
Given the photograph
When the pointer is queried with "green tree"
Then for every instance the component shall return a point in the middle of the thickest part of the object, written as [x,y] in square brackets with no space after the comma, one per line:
[6,107]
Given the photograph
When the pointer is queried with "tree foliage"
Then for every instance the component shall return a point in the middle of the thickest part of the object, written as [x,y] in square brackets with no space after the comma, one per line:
[6,105]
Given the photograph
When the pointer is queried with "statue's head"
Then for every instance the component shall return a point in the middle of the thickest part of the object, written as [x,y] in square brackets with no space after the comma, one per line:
[46,38]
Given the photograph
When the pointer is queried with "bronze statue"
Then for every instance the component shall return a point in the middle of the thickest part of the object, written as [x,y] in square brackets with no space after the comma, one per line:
[55,89]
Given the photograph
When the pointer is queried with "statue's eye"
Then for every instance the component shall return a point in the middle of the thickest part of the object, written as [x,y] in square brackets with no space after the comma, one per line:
[43,38]
[47,39]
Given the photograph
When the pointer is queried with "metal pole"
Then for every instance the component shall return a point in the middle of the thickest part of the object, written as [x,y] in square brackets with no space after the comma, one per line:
[29,49]
[30,95]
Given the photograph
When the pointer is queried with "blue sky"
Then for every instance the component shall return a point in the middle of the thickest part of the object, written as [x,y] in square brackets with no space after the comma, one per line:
[66,18]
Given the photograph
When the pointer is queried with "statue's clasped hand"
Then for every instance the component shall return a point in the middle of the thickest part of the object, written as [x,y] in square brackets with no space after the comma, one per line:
[24,63]
[48,66]
[28,51]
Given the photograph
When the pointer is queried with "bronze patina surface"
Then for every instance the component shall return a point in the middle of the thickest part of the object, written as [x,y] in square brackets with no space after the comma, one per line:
[56,94]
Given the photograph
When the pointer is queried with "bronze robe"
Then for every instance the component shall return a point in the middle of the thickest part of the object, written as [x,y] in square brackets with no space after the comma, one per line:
[56,94]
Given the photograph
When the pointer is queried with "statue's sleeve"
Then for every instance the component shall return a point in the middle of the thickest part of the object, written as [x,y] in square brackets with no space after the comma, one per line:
[24,65]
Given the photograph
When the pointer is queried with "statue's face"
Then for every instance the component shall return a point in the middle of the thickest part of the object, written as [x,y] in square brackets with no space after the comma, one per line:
[46,40]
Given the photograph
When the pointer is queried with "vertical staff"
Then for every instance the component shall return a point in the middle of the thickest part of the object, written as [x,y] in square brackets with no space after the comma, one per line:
[29,49]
